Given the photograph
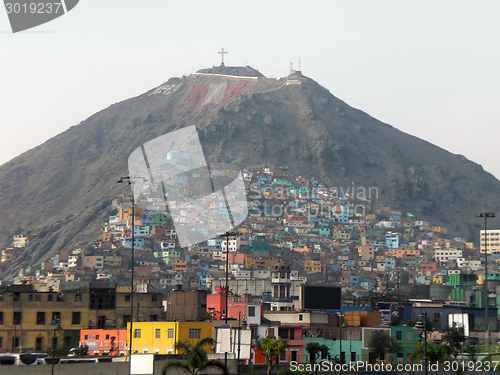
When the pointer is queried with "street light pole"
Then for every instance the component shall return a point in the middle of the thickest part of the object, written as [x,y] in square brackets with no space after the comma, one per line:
[425,340]
[486,215]
[421,325]
[227,235]
[341,324]
[57,326]
[239,342]
[132,273]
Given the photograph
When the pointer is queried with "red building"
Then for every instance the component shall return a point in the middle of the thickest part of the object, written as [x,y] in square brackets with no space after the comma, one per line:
[238,305]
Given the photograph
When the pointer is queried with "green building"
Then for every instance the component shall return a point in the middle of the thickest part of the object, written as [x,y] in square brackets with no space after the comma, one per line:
[406,339]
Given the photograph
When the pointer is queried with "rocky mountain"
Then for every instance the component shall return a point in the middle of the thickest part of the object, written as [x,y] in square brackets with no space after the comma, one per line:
[59,191]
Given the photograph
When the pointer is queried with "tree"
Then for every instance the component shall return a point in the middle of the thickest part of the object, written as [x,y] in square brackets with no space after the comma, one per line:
[194,358]
[82,351]
[436,353]
[455,337]
[312,348]
[381,343]
[271,347]
[471,351]
[324,351]
[60,351]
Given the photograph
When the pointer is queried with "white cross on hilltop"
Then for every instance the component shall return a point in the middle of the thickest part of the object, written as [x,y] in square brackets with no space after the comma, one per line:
[222,52]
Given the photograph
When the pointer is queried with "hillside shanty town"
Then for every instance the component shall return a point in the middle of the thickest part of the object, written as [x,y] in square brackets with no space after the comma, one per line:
[314,266]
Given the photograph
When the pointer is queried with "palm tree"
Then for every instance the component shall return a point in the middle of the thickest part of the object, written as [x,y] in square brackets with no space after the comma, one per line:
[194,358]
[314,350]
[271,348]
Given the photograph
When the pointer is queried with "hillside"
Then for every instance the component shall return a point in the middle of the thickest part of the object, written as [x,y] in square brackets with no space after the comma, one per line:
[61,189]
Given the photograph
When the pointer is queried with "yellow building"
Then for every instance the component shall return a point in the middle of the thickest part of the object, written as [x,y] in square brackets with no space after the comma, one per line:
[179,265]
[259,262]
[312,266]
[7,255]
[160,337]
[442,230]
[28,318]
[437,279]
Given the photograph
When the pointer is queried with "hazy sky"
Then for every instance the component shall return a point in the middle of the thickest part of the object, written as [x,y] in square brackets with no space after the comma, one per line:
[429,68]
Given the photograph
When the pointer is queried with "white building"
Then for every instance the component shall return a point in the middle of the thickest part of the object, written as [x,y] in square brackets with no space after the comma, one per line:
[20,241]
[261,274]
[492,240]
[242,274]
[444,255]
[234,245]
[471,264]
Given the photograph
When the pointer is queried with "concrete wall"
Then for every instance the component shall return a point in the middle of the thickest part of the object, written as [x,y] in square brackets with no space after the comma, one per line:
[114,368]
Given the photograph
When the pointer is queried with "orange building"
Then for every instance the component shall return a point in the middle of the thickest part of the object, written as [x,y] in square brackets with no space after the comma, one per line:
[236,258]
[401,253]
[428,267]
[111,342]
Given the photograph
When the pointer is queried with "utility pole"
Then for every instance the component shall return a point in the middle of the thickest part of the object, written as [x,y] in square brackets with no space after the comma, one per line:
[486,215]
[132,273]
[239,341]
[227,235]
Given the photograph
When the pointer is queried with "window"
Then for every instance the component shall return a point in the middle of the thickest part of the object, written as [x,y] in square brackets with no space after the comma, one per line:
[18,317]
[1,319]
[125,319]
[1,342]
[78,298]
[137,334]
[127,298]
[353,356]
[194,333]
[50,297]
[170,333]
[400,357]
[409,335]
[76,318]
[15,342]
[270,332]
[251,310]
[40,318]
[399,335]
[292,334]
[283,333]
[154,298]
[294,355]
[157,333]
[301,317]
[86,337]
[38,297]
[107,337]
[39,343]
[56,317]
[30,297]
[97,337]
[153,318]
